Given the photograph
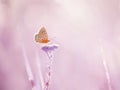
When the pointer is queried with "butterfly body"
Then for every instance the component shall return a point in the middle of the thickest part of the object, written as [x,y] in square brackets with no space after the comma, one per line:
[42,36]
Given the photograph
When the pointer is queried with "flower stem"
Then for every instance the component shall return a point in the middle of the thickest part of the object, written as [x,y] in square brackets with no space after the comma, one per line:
[49,73]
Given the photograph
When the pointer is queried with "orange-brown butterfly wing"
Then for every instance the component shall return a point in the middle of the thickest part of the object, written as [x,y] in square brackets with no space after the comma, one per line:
[37,38]
[42,36]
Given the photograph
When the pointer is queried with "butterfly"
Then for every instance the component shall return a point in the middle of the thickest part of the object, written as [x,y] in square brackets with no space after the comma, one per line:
[42,36]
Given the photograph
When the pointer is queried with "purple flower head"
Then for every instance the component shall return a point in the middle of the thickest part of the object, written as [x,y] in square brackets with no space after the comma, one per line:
[49,49]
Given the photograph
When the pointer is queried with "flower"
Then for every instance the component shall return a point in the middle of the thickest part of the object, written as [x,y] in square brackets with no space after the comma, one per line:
[49,48]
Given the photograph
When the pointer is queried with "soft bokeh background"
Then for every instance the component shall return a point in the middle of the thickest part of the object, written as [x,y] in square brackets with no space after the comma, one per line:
[82,28]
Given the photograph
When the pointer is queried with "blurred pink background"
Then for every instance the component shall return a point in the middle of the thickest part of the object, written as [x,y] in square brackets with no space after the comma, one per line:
[88,32]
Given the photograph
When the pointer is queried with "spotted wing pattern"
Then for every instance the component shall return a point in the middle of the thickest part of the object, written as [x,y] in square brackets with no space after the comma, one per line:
[42,36]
